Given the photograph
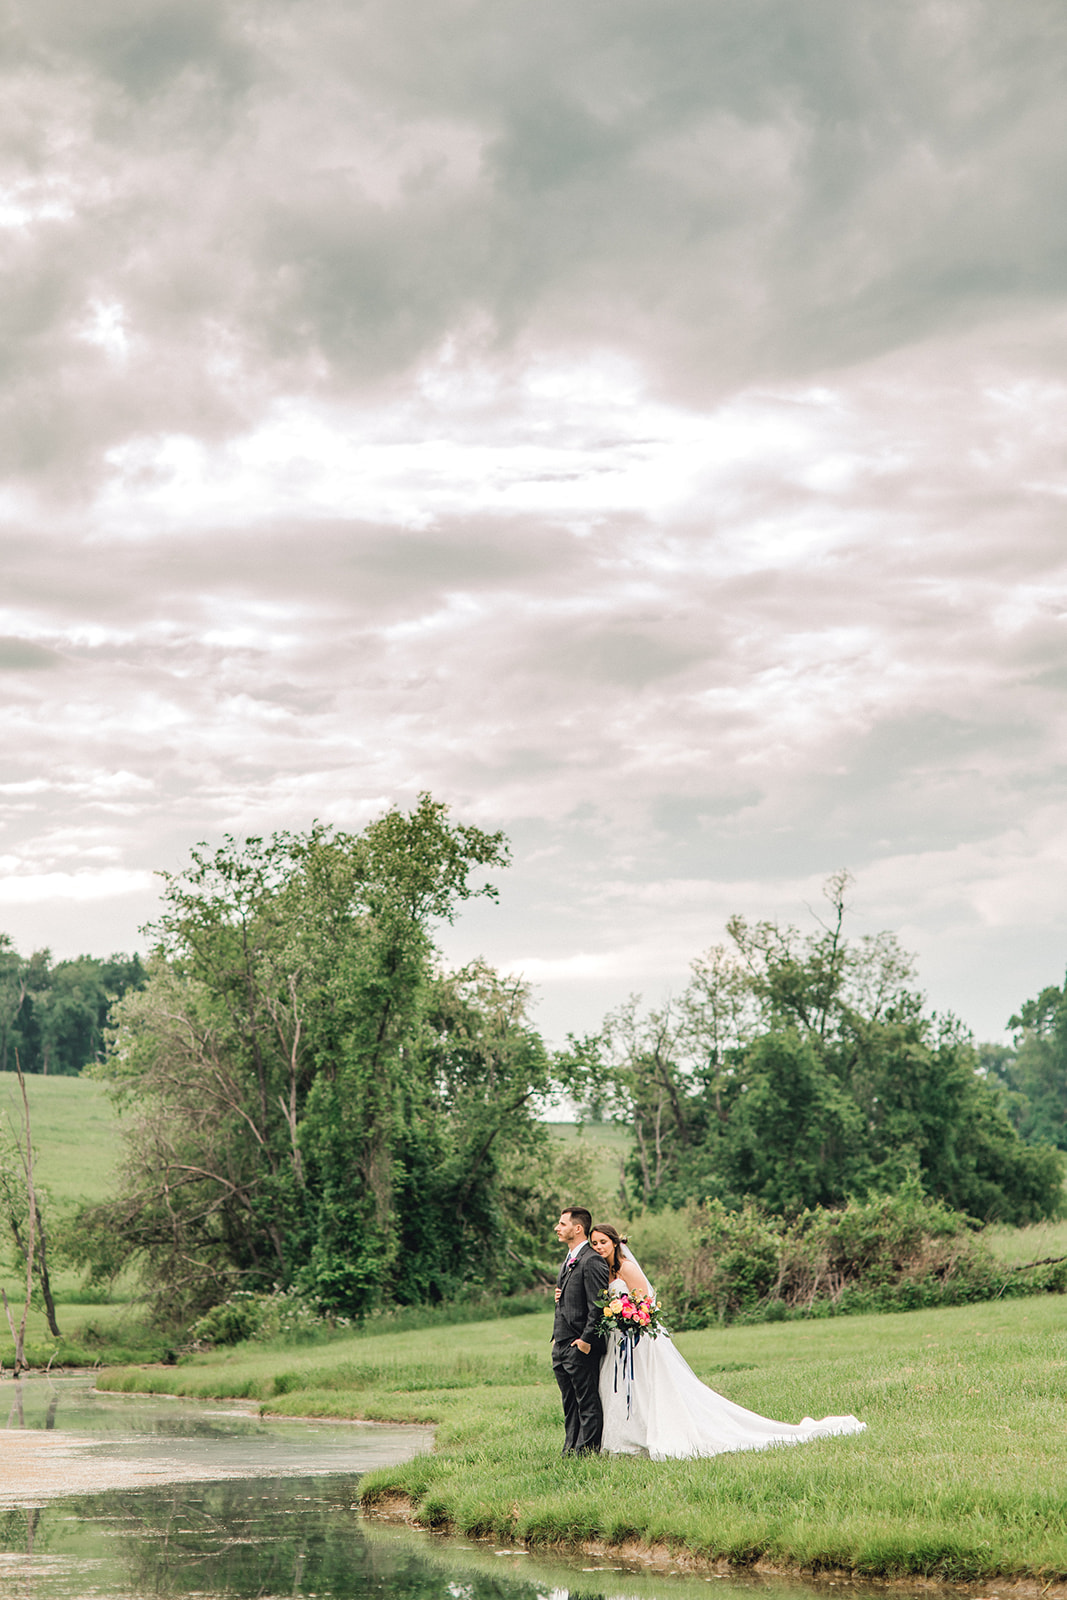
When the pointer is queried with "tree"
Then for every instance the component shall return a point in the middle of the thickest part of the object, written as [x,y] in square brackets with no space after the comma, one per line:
[12,998]
[471,1138]
[651,1093]
[802,1068]
[794,1137]
[311,1099]
[55,1015]
[18,1193]
[1035,1072]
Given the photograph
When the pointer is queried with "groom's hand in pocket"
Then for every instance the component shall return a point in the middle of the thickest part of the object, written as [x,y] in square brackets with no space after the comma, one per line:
[582,1346]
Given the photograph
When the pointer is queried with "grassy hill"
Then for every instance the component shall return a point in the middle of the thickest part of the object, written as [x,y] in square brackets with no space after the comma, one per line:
[75,1133]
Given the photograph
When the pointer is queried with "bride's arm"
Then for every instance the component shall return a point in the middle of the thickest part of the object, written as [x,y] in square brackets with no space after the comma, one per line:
[634,1278]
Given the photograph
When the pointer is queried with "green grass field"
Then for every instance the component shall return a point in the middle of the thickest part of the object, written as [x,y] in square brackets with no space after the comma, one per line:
[1017,1246]
[76,1139]
[75,1133]
[959,1476]
[608,1146]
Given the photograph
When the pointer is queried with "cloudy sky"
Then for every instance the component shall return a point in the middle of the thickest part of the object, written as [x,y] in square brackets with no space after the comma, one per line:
[641,423]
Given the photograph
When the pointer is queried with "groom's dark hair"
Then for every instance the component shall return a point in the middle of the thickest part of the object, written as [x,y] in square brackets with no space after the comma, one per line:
[580,1214]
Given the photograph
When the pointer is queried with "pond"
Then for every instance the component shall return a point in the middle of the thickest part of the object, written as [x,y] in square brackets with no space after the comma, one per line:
[241,1507]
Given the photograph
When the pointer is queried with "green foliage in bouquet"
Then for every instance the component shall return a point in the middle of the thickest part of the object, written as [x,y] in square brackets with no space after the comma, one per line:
[631,1315]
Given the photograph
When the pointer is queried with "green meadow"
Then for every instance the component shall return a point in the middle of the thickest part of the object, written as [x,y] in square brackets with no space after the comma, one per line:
[959,1476]
[75,1134]
[76,1140]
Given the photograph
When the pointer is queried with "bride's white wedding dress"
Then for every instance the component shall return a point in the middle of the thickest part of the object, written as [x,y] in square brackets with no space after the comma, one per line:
[661,1409]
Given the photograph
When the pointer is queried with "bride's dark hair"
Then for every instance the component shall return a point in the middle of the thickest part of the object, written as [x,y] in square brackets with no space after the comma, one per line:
[617,1240]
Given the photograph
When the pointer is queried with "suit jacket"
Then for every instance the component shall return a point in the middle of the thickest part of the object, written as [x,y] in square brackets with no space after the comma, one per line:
[576,1308]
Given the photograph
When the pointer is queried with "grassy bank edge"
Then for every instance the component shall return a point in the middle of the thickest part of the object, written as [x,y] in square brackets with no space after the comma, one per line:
[669,1558]
[908,1566]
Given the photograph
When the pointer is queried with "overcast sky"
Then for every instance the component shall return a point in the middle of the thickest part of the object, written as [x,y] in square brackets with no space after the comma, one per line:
[641,423]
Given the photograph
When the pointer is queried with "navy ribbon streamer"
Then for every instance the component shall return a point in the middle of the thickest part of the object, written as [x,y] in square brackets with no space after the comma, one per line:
[627,1342]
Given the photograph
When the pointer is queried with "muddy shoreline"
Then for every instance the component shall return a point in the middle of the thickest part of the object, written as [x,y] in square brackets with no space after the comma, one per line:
[636,1556]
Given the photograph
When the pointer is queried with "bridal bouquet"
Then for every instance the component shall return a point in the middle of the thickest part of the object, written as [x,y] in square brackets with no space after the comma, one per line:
[629,1315]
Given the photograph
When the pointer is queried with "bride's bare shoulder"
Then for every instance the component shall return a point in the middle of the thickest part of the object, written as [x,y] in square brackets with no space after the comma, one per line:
[633,1277]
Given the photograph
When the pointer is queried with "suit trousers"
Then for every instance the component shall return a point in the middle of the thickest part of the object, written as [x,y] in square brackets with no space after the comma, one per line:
[578,1377]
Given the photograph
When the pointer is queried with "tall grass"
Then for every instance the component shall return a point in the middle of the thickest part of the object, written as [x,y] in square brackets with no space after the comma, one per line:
[958,1477]
[1016,1247]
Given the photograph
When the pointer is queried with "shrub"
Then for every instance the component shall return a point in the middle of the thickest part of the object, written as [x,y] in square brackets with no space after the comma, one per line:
[283,1314]
[893,1252]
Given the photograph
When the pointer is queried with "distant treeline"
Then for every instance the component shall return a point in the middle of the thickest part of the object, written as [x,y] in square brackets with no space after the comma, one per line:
[55,1013]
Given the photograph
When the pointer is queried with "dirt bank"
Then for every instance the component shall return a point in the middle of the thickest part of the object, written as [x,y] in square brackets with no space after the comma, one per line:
[633,1554]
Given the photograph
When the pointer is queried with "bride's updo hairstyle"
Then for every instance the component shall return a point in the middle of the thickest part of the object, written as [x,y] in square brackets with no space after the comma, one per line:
[613,1234]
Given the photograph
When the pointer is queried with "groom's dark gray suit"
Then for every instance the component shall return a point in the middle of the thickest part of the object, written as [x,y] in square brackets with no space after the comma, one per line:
[577,1374]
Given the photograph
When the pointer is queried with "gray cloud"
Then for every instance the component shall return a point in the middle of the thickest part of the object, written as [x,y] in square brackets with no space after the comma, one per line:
[317,196]
[22,655]
[641,425]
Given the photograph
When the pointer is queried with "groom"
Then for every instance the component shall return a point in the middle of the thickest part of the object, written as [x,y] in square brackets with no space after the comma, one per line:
[576,1347]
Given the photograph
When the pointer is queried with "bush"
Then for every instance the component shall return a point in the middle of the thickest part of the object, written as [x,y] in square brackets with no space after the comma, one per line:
[896,1252]
[283,1314]
[291,1318]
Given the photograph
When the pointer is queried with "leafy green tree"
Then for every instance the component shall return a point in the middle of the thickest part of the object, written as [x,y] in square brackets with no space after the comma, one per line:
[55,1015]
[801,1068]
[1035,1072]
[471,1139]
[651,1091]
[403,874]
[311,1099]
[12,1001]
[794,1137]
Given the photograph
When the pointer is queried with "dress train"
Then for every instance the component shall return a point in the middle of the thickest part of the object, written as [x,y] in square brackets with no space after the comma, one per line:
[655,1405]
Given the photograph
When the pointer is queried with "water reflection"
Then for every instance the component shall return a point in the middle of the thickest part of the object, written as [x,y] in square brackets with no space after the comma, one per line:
[296,1537]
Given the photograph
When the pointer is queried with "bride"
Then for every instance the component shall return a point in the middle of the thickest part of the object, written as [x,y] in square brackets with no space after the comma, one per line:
[654,1403]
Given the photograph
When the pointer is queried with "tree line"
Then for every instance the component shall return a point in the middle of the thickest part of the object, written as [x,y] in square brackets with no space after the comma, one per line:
[1032,1075]
[313,1100]
[54,1014]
